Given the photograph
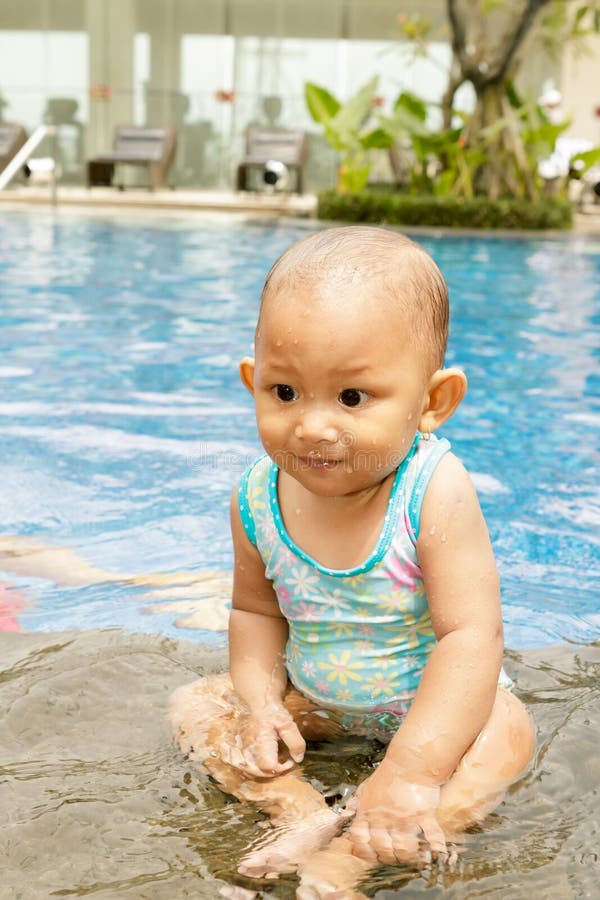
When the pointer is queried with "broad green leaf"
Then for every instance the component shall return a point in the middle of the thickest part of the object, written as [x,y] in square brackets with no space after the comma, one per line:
[321,104]
[412,104]
[443,185]
[589,158]
[352,114]
[378,139]
[403,121]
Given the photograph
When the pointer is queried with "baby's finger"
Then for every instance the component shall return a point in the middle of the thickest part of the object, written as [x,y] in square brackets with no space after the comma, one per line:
[434,835]
[382,845]
[264,755]
[244,760]
[406,846]
[360,838]
[289,733]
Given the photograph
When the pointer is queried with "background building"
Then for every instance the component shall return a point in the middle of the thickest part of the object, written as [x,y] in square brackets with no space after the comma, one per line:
[211,67]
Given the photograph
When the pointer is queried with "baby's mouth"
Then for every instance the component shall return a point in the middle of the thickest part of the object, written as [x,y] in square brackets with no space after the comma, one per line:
[314,460]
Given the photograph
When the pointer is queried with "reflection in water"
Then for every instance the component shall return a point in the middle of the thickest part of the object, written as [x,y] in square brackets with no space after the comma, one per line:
[88,765]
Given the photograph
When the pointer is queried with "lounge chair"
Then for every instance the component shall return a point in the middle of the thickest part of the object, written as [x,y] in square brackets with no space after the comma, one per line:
[152,148]
[280,145]
[12,138]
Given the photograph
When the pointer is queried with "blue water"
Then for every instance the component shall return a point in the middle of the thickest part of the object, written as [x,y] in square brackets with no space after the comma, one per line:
[124,426]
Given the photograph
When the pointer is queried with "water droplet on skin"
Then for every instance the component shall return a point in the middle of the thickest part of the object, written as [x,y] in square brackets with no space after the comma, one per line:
[298,511]
[278,343]
[295,340]
[409,417]
[444,538]
[432,530]
[290,329]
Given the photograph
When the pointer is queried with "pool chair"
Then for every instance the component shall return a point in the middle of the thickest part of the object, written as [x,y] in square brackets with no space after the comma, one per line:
[151,148]
[12,138]
[273,153]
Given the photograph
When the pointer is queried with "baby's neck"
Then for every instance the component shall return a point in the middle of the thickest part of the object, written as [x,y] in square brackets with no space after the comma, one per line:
[340,532]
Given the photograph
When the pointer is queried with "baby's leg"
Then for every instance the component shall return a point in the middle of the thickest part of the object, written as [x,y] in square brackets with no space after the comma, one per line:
[492,763]
[333,872]
[204,715]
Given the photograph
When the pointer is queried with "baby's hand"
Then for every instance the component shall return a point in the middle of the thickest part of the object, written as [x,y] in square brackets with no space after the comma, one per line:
[394,818]
[254,747]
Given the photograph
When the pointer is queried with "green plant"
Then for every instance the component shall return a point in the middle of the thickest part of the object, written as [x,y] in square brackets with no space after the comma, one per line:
[448,162]
[438,162]
[346,126]
[487,37]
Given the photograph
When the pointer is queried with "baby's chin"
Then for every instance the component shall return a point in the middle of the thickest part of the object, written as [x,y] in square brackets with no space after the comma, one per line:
[330,478]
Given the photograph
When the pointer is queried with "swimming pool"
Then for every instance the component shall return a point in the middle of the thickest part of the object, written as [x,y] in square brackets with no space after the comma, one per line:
[125,427]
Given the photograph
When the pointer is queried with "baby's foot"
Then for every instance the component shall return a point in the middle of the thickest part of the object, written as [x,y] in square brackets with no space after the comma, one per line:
[236,893]
[284,850]
[333,874]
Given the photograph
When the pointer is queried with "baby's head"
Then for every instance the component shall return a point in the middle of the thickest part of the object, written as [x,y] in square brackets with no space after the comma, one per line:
[356,265]
[350,347]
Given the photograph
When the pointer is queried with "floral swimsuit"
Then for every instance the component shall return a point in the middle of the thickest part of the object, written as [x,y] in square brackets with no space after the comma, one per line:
[359,638]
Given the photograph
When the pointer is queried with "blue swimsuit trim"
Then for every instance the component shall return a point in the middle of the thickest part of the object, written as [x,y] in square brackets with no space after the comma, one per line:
[244,503]
[415,503]
[385,538]
[414,507]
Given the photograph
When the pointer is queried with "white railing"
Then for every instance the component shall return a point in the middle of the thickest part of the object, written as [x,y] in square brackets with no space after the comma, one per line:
[23,156]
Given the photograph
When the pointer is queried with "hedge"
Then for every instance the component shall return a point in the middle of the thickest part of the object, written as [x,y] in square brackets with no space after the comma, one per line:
[395,208]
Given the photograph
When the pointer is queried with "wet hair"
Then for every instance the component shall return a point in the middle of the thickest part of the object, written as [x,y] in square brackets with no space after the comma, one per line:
[403,271]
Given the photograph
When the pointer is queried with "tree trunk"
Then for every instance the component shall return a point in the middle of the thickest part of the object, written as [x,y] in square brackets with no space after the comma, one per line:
[487,61]
[489,178]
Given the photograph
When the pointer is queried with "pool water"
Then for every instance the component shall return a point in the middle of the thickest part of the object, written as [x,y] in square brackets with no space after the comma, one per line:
[124,429]
[125,426]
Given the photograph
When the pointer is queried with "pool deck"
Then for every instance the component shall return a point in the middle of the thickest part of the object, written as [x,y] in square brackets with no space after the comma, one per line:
[304,206]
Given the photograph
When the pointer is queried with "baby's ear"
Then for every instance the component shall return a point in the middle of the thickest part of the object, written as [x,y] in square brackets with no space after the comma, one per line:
[247,373]
[446,389]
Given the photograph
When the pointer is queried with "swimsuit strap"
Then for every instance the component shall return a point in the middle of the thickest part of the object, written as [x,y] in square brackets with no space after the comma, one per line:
[244,503]
[434,450]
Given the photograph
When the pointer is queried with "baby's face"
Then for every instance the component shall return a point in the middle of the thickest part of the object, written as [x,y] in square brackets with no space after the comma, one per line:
[339,387]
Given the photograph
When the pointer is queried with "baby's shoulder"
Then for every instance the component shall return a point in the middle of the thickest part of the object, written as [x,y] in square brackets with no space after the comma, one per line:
[450,490]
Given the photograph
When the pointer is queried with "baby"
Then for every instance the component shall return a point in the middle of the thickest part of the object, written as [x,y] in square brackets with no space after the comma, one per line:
[365,596]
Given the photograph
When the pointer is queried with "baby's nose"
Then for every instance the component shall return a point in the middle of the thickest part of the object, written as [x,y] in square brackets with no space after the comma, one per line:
[315,426]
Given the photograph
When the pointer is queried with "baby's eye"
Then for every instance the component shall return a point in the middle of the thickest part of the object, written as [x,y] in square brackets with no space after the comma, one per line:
[352,397]
[285,392]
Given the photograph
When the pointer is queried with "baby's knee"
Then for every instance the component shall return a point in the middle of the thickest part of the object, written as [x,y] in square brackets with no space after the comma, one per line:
[507,742]
[516,726]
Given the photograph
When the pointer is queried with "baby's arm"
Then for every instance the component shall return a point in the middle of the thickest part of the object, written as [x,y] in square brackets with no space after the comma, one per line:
[257,638]
[459,683]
